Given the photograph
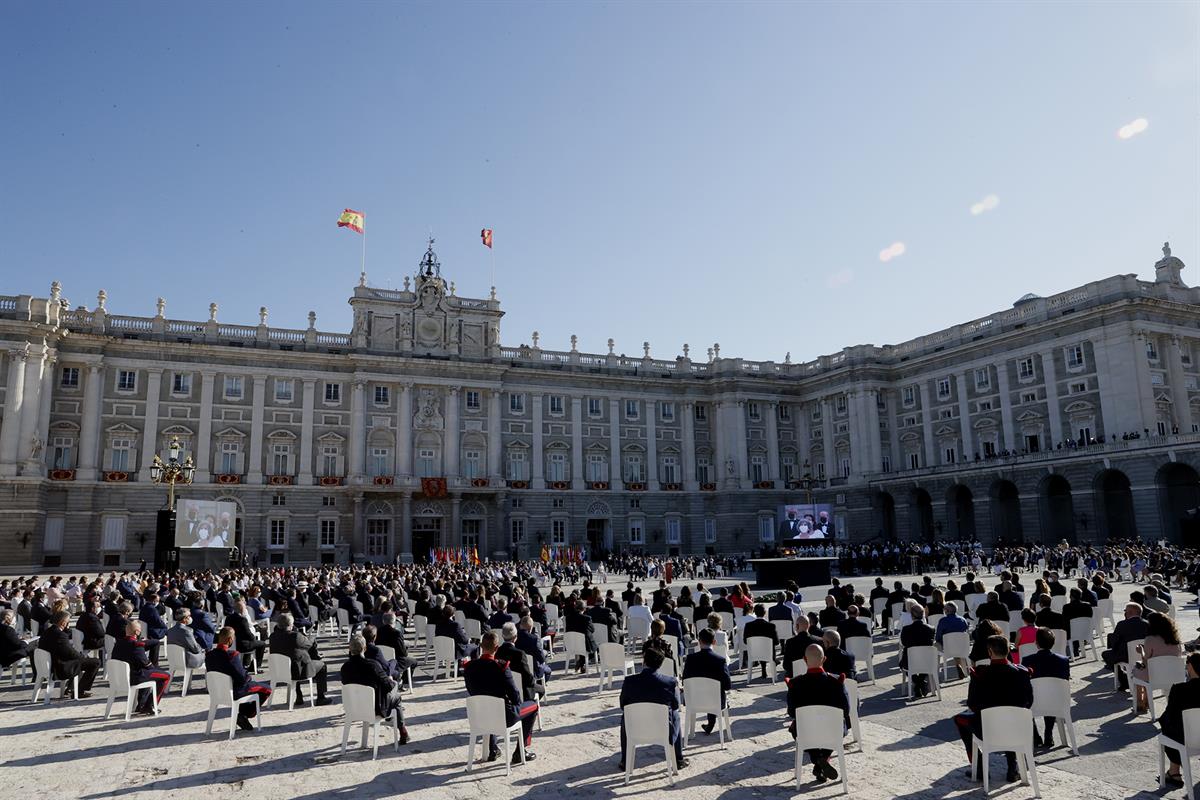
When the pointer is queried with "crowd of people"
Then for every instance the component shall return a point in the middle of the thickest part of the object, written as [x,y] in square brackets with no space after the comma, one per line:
[505,619]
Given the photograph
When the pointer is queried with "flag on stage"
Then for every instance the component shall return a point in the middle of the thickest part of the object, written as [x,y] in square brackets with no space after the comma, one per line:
[432,556]
[351,219]
[545,554]
[475,556]
[486,236]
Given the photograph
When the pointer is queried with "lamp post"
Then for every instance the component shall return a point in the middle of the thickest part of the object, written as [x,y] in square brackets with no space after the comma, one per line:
[806,484]
[172,471]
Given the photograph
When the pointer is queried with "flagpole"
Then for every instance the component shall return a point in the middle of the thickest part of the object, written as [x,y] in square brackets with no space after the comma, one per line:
[493,258]
[363,268]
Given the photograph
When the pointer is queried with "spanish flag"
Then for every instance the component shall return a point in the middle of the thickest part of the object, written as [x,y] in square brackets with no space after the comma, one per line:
[351,219]
[486,236]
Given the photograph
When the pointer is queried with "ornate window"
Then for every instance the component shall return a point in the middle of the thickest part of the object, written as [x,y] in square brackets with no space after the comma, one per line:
[597,466]
[637,531]
[518,464]
[327,533]
[235,387]
[558,532]
[283,390]
[670,469]
[635,467]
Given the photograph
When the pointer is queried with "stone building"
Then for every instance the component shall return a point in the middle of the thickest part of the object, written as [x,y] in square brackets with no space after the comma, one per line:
[1072,416]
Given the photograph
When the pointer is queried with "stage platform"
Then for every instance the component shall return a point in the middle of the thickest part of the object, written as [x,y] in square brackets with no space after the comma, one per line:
[774,573]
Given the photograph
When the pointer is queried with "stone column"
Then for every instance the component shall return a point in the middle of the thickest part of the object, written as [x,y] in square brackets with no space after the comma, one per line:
[150,425]
[652,445]
[406,553]
[964,416]
[772,409]
[718,429]
[1006,417]
[537,458]
[1051,378]
[358,432]
[1149,413]
[37,466]
[741,456]
[357,543]
[204,438]
[304,458]
[927,425]
[89,428]
[614,443]
[871,422]
[453,537]
[1180,411]
[894,412]
[576,442]
[855,418]
[803,438]
[404,454]
[495,441]
[14,397]
[254,468]
[689,448]
[831,466]
[35,366]
[452,433]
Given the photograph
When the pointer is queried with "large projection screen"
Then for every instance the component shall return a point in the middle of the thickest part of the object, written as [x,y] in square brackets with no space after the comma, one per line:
[800,522]
[202,524]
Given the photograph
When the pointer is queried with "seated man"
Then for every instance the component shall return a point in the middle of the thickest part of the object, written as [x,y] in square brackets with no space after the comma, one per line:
[1182,697]
[837,660]
[1045,663]
[370,634]
[952,623]
[91,625]
[651,686]
[131,649]
[301,648]
[12,647]
[998,683]
[816,687]
[513,655]
[389,635]
[202,624]
[362,671]
[759,626]
[852,625]
[529,643]
[119,622]
[448,626]
[1129,629]
[223,658]
[181,634]
[706,663]
[485,676]
[916,634]
[579,622]
[795,647]
[154,626]
[65,660]
[245,635]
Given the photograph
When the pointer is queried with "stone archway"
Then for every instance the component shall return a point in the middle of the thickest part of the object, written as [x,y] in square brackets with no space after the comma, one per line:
[960,513]
[1179,503]
[1114,506]
[1006,512]
[885,508]
[920,515]
[599,529]
[1056,510]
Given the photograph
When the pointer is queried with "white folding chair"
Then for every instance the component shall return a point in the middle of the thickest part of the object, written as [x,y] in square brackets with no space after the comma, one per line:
[877,607]
[279,671]
[474,630]
[445,661]
[922,661]
[485,717]
[760,650]
[855,726]
[461,618]
[1006,729]
[1126,666]
[1190,746]
[344,626]
[22,664]
[956,647]
[1057,603]
[599,632]
[612,662]
[1162,672]
[1052,698]
[1081,631]
[727,620]
[894,621]
[177,665]
[430,635]
[648,724]
[575,647]
[933,619]
[863,650]
[783,629]
[118,684]
[358,705]
[109,643]
[43,675]
[220,695]
[1062,643]
[703,697]
[1027,649]
[1107,610]
[419,625]
[519,682]
[821,728]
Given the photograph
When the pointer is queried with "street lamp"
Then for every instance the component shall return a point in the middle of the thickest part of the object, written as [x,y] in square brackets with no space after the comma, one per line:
[806,484]
[172,471]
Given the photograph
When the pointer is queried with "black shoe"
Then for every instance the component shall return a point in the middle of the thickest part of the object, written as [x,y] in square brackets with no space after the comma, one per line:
[818,774]
[680,763]
[245,724]
[1049,742]
[707,728]
[621,767]
[493,755]
[828,771]
[322,701]
[516,759]
[1013,775]
[1173,780]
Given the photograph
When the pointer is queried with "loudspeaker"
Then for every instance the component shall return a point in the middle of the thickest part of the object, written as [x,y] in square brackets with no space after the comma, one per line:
[166,556]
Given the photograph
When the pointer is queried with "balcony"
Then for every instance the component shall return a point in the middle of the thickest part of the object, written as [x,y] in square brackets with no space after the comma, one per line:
[383,480]
[560,486]
[281,480]
[62,474]
[598,486]
[708,487]
[331,480]
[671,487]
[764,485]
[115,476]
[635,486]
[518,484]
[227,479]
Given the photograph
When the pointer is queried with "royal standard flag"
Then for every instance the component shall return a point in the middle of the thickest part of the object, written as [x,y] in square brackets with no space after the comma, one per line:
[351,219]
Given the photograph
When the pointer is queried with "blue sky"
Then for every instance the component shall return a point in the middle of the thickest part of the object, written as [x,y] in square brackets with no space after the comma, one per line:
[667,172]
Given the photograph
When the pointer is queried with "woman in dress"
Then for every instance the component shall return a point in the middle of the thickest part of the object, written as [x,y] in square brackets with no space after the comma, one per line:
[1162,639]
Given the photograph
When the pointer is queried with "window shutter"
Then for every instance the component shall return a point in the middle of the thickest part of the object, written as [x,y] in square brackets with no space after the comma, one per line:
[114,534]
[53,540]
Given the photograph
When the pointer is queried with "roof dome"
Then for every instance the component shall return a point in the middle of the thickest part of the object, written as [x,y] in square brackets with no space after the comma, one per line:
[1025,298]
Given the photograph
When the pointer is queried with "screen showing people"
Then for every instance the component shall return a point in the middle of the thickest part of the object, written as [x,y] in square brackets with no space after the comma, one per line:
[204,523]
[799,522]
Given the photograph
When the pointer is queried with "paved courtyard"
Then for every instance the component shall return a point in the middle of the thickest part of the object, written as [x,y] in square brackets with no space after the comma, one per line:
[910,750]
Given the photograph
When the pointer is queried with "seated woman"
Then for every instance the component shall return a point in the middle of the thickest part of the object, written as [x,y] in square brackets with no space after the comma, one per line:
[1162,639]
[979,637]
[1027,633]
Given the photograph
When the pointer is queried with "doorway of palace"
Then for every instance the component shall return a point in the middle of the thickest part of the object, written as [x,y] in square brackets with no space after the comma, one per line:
[1057,511]
[1114,506]
[426,536]
[599,538]
[1179,501]
[960,512]
[1006,513]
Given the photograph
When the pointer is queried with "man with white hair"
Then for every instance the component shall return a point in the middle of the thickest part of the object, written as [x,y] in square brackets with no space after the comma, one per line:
[12,647]
[131,648]
[301,648]
[362,671]
[510,652]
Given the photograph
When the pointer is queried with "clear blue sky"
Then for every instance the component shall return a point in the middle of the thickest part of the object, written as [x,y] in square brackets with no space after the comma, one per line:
[654,171]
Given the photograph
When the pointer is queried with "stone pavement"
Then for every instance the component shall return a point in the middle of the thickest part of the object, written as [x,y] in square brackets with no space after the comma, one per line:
[910,750]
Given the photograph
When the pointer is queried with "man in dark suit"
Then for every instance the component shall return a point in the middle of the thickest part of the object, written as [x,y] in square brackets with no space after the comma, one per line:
[916,634]
[780,610]
[181,634]
[515,658]
[759,626]
[449,627]
[601,615]
[246,640]
[389,635]
[223,658]
[154,625]
[999,683]
[301,648]
[370,633]
[612,605]
[676,625]
[816,687]
[992,609]
[91,625]
[897,596]
[1182,697]
[1009,597]
[65,661]
[578,622]
[722,604]
[131,649]
[1130,629]
[118,622]
[202,624]
[486,676]
[359,670]
[1076,609]
[838,661]
[501,616]
[650,686]
[1045,663]
[345,601]
[831,615]
[12,647]
[1047,617]
[529,643]
[795,647]
[705,663]
[852,625]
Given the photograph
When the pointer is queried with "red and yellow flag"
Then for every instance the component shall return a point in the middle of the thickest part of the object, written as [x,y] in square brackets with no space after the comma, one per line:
[351,219]
[486,236]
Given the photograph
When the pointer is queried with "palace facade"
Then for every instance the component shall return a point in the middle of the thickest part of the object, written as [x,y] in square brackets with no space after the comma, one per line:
[1073,416]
